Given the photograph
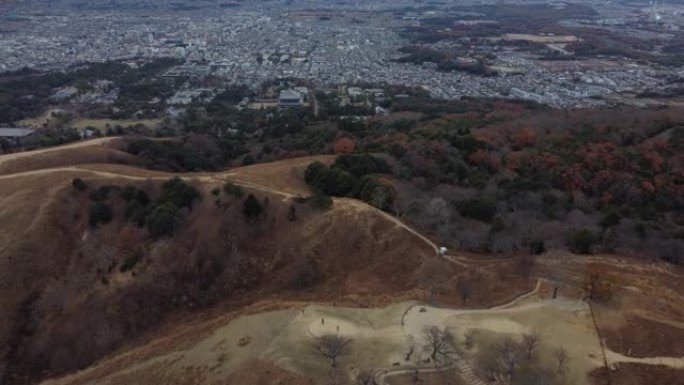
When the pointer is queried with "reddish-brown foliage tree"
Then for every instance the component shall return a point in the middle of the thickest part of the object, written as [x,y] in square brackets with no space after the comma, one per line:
[598,284]
[344,146]
[478,157]
[524,138]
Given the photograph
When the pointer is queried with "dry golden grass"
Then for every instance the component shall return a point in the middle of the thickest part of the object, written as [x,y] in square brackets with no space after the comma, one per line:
[104,123]
[68,157]
[285,175]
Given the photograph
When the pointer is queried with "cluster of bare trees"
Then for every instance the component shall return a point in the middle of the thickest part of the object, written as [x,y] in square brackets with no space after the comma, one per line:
[439,346]
[436,276]
[518,362]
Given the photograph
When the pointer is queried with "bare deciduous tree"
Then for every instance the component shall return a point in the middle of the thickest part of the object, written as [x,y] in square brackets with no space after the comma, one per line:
[554,272]
[335,377]
[506,361]
[437,212]
[464,285]
[365,377]
[487,364]
[510,353]
[433,275]
[332,347]
[598,283]
[524,265]
[441,343]
[561,356]
[530,341]
[469,339]
[411,345]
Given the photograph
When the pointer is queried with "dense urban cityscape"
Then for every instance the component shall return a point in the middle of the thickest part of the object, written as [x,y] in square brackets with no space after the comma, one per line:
[247,45]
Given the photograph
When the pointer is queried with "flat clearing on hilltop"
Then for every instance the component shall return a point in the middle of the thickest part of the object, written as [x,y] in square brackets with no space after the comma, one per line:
[380,336]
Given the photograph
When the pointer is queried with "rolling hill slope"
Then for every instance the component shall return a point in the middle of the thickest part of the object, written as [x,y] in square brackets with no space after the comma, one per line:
[111,303]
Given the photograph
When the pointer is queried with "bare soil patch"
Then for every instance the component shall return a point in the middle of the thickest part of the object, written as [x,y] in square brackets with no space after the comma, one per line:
[638,374]
[640,337]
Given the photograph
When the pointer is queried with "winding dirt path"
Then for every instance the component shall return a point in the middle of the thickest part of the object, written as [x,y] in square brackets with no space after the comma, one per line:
[466,372]
[381,375]
[520,298]
[672,362]
[110,174]
[392,219]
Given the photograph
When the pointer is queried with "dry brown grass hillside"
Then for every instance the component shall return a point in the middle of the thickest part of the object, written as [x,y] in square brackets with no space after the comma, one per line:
[66,301]
[69,303]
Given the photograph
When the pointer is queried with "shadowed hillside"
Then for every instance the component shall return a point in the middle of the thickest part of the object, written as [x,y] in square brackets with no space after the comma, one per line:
[74,291]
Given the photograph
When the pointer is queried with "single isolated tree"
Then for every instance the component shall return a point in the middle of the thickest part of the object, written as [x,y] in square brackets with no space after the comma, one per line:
[441,343]
[332,347]
[343,146]
[251,207]
[464,285]
[469,342]
[561,356]
[598,284]
[433,275]
[530,342]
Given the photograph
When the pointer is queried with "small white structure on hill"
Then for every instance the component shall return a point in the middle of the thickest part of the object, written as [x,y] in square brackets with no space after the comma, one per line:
[442,250]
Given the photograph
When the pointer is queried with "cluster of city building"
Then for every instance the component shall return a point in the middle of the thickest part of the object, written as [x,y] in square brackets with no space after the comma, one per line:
[249,46]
